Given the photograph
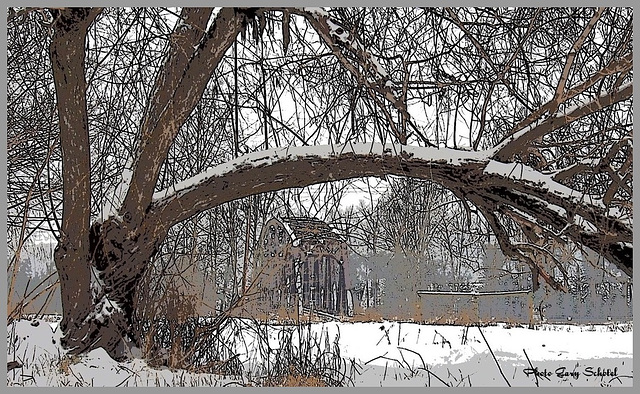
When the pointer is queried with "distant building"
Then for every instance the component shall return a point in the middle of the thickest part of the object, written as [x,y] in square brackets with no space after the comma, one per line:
[301,267]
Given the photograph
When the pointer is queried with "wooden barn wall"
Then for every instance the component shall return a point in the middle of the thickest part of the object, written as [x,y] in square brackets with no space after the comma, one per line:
[311,275]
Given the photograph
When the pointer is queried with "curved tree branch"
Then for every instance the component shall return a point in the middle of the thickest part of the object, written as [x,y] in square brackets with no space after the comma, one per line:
[485,182]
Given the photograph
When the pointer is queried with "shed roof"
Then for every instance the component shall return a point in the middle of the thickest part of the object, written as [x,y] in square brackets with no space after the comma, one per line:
[305,228]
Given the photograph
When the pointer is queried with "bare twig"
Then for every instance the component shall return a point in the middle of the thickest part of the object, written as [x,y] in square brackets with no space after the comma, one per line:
[494,357]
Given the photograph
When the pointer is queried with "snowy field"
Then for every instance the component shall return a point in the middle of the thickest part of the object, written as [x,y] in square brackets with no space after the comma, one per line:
[376,354]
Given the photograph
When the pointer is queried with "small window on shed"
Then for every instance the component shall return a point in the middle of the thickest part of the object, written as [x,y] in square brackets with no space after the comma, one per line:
[280,234]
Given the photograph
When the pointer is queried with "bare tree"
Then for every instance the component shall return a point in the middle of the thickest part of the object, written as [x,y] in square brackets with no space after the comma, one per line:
[524,114]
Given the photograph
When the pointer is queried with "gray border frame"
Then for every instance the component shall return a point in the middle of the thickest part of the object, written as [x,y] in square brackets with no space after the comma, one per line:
[3,134]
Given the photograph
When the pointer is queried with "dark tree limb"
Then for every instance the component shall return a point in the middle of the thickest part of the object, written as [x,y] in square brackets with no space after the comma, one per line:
[577,45]
[519,141]
[194,54]
[373,76]
[615,65]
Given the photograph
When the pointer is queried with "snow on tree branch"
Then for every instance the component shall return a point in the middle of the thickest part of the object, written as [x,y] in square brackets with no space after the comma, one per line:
[487,183]
[525,173]
[291,154]
[518,141]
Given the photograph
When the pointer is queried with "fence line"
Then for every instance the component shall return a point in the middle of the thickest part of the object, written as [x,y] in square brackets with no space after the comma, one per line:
[473,293]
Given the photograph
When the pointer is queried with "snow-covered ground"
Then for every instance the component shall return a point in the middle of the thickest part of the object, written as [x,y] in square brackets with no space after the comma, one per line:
[379,354]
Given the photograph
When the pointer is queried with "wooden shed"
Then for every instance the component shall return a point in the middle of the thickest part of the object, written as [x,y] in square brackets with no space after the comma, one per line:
[301,268]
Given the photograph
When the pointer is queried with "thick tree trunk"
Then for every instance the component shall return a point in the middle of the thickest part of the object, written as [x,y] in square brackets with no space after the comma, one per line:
[72,253]
[118,259]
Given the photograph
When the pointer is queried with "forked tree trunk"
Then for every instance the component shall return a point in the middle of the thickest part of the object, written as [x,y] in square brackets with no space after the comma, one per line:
[100,265]
[93,316]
